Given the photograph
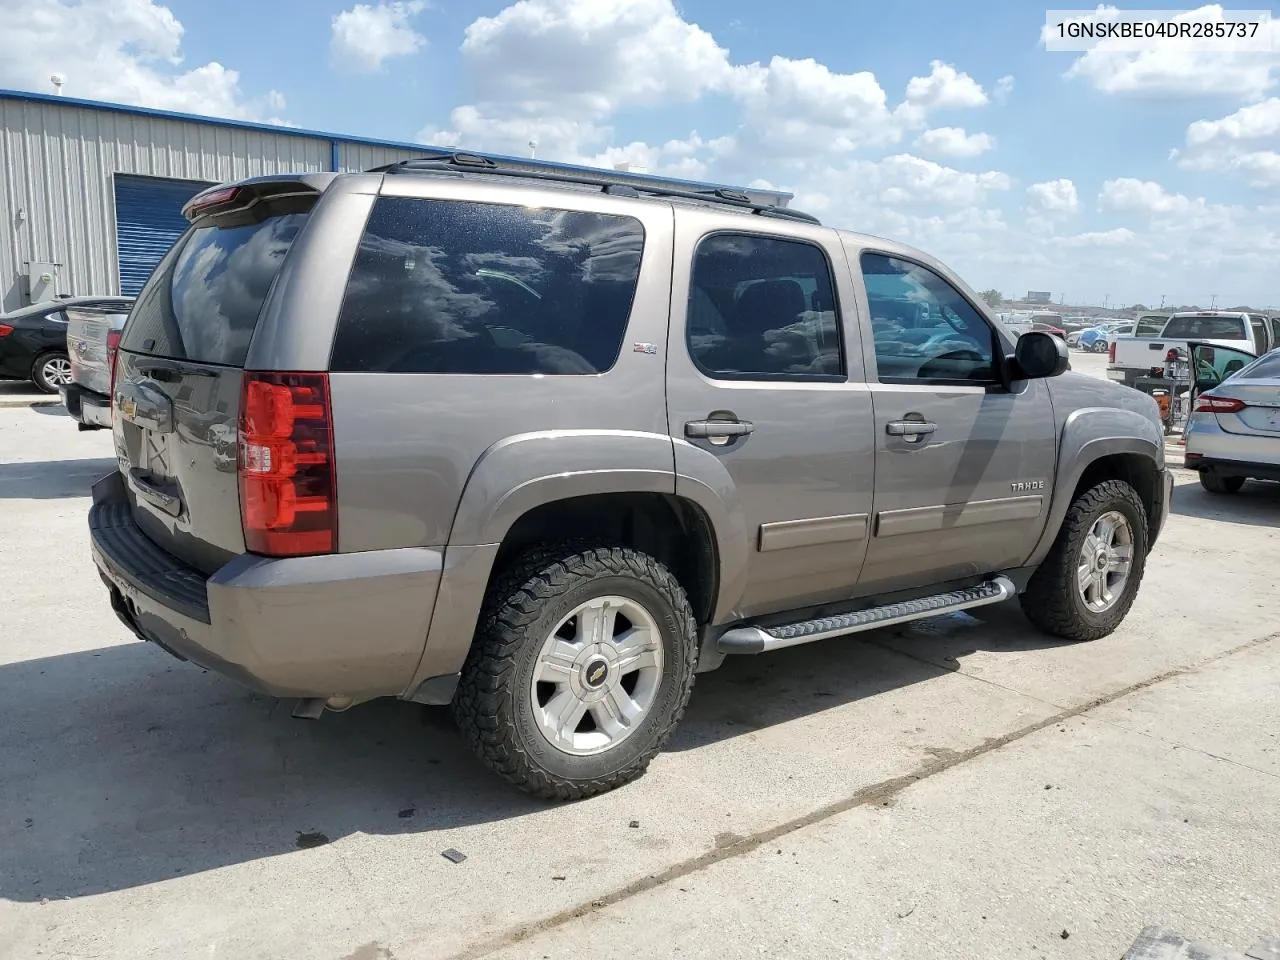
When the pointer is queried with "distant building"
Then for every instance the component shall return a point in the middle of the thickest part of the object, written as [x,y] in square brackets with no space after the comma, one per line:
[1039,296]
[92,193]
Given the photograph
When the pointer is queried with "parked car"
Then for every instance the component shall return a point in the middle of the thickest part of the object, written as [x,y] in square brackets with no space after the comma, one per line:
[93,333]
[1095,339]
[33,345]
[1233,432]
[1134,357]
[481,462]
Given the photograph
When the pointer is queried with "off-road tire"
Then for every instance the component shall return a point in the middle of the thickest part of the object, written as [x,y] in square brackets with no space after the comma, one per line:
[1215,483]
[523,606]
[1052,600]
[43,384]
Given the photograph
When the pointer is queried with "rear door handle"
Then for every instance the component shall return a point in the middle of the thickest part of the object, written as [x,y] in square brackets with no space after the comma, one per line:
[706,429]
[910,428]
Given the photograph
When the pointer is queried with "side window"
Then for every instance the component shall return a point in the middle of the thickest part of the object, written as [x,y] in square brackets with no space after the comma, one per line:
[763,308]
[444,286]
[924,329]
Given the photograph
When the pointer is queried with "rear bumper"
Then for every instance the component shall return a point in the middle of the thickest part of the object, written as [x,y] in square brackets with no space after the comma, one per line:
[1233,468]
[349,625]
[90,409]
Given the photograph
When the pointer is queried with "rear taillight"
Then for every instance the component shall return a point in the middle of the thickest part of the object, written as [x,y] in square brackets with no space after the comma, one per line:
[5,329]
[1111,352]
[288,483]
[1207,403]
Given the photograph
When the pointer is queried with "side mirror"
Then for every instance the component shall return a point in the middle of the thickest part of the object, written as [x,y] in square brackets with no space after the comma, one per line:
[1040,355]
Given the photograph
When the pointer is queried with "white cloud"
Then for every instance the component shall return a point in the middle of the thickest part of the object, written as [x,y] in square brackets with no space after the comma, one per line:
[1128,195]
[1054,196]
[904,179]
[1177,67]
[558,71]
[124,51]
[1004,89]
[592,55]
[1119,237]
[1253,122]
[1243,142]
[945,89]
[366,36]
[954,142]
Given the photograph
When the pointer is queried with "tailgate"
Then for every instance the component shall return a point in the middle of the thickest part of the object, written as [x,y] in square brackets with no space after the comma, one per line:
[1140,353]
[179,375]
[87,330]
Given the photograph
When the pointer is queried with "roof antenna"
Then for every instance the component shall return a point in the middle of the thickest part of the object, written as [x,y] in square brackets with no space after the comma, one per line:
[57,80]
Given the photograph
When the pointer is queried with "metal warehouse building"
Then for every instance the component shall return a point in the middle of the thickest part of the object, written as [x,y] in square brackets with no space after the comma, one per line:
[92,192]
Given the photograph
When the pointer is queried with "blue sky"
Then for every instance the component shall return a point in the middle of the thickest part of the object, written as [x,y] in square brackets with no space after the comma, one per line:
[939,124]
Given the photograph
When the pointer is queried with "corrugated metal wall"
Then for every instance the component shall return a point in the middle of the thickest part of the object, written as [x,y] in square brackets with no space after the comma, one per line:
[361,156]
[57,162]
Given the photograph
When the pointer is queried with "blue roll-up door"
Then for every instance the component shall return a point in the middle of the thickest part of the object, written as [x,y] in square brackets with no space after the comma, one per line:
[148,221]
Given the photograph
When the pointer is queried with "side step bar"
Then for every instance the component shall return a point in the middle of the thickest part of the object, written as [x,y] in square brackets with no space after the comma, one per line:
[753,639]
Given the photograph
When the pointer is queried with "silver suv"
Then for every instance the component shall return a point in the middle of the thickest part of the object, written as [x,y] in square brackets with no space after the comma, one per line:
[543,444]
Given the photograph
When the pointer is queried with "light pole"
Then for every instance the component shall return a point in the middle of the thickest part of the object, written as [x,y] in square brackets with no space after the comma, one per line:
[1162,296]
[1213,301]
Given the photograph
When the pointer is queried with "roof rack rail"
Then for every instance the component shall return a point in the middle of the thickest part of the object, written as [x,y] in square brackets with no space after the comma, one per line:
[627,185]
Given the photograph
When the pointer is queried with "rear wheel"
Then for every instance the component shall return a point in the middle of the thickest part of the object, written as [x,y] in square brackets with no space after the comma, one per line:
[1215,483]
[581,668]
[1087,583]
[51,372]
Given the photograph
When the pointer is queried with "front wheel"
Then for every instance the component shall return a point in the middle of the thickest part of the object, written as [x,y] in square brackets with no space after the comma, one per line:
[581,668]
[51,372]
[1215,483]
[1087,583]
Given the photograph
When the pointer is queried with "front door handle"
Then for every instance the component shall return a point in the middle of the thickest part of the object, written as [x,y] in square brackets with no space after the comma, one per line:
[910,428]
[708,429]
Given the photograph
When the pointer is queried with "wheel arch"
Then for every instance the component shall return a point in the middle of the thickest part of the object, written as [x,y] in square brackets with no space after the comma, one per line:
[615,486]
[1105,443]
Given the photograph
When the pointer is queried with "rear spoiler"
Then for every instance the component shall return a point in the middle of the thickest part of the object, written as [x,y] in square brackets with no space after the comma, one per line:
[245,194]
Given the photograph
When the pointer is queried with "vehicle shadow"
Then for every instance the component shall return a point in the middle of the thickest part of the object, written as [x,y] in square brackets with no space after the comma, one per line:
[124,767]
[53,408]
[52,479]
[1256,505]
[750,693]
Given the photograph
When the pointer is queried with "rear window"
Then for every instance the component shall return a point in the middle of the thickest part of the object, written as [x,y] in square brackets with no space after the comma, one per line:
[202,302]
[1206,328]
[1264,368]
[445,286]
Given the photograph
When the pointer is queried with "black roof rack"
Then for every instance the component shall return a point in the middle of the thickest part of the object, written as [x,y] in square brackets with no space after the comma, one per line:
[623,185]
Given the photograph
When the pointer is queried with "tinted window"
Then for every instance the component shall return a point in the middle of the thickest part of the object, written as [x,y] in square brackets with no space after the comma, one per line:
[1206,328]
[762,308]
[202,302]
[442,286]
[924,329]
[1264,368]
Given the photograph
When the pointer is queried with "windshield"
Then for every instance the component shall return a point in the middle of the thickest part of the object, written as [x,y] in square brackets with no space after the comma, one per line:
[1206,328]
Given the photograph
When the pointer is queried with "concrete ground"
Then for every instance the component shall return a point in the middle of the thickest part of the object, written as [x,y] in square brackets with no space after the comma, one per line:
[961,787]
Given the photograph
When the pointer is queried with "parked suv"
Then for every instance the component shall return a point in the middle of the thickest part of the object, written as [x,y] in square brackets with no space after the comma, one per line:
[543,445]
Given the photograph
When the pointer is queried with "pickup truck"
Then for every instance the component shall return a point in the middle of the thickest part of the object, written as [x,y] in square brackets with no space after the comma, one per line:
[1134,356]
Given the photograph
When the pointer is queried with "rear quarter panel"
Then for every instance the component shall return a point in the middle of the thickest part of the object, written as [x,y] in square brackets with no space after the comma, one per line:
[408,444]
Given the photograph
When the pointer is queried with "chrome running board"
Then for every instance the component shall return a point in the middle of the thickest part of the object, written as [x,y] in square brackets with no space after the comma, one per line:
[756,639]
